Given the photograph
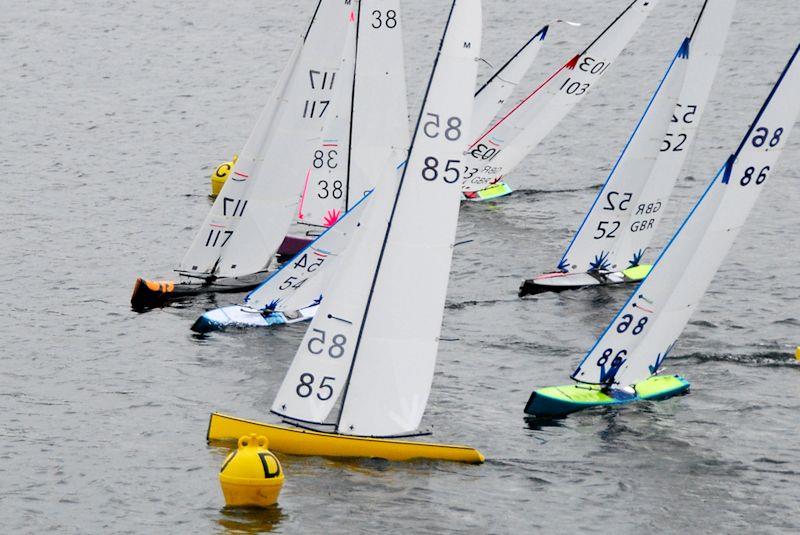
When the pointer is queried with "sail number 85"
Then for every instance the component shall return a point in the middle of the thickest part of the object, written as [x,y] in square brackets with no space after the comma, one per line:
[432,127]
[316,344]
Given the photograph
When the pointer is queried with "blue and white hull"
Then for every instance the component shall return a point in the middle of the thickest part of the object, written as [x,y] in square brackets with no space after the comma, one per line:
[243,317]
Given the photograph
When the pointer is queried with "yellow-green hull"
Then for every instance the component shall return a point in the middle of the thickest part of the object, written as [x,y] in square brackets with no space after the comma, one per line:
[294,441]
[555,401]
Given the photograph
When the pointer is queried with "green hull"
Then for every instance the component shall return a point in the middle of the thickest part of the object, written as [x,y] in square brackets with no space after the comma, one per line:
[555,401]
[500,189]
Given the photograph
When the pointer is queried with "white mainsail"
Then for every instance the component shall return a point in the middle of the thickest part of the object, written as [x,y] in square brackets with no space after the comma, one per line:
[707,44]
[325,353]
[249,219]
[280,170]
[593,243]
[354,141]
[635,343]
[220,222]
[322,200]
[301,281]
[491,96]
[511,138]
[393,364]
[379,96]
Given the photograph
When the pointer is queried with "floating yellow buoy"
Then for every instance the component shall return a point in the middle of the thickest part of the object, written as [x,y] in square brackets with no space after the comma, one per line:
[797,353]
[251,475]
[221,175]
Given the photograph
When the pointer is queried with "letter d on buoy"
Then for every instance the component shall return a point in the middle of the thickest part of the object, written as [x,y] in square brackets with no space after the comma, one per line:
[251,475]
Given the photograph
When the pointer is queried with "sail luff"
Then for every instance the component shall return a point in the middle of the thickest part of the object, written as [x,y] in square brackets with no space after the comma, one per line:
[592,245]
[392,371]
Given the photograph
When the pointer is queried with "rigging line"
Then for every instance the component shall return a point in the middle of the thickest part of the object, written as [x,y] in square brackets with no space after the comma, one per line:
[766,103]
[542,32]
[699,16]
[311,22]
[391,217]
[523,101]
[585,50]
[352,108]
[624,151]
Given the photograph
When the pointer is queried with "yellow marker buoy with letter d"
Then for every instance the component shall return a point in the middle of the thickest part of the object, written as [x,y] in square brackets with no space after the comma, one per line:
[251,475]
[221,175]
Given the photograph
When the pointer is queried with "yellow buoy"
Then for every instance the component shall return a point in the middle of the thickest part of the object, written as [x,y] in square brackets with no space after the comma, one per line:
[797,353]
[219,176]
[251,475]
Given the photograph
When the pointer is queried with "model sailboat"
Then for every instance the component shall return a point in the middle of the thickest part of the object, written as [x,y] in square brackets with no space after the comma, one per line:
[370,350]
[376,90]
[623,364]
[247,224]
[610,243]
[500,148]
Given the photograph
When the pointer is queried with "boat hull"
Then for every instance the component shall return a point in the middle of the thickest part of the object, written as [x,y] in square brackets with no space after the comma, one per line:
[556,401]
[501,189]
[294,441]
[559,281]
[150,294]
[238,316]
[292,245]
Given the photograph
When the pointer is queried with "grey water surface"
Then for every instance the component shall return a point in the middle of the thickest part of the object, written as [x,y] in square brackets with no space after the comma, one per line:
[113,117]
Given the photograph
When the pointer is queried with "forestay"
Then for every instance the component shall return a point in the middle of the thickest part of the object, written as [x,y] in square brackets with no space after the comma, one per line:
[393,364]
[491,96]
[278,171]
[707,44]
[512,137]
[593,243]
[635,344]
[322,362]
[301,280]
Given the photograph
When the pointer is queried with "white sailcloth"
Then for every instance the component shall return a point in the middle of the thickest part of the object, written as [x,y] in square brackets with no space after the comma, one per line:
[379,96]
[301,281]
[593,244]
[491,96]
[634,345]
[224,216]
[321,365]
[506,143]
[277,172]
[393,364]
[322,200]
[707,44]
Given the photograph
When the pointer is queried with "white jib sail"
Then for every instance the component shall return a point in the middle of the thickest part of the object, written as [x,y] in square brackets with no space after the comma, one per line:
[278,172]
[321,365]
[322,200]
[512,137]
[634,345]
[707,44]
[224,216]
[301,280]
[593,244]
[491,96]
[393,365]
